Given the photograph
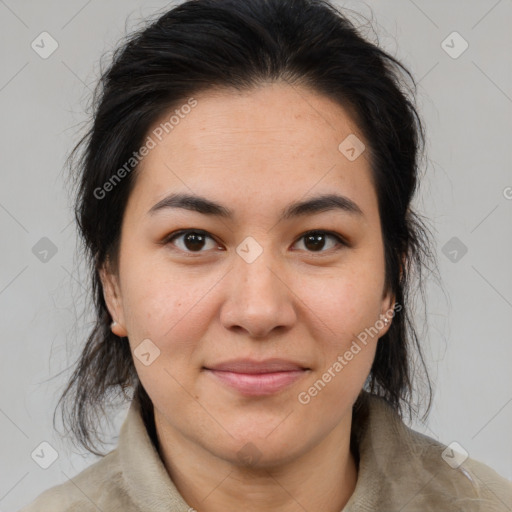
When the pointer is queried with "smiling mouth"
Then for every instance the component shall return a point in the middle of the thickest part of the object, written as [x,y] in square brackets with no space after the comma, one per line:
[258,384]
[257,378]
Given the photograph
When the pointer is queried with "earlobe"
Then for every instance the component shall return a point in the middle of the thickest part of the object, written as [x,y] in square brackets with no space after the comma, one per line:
[389,304]
[387,312]
[112,297]
[118,329]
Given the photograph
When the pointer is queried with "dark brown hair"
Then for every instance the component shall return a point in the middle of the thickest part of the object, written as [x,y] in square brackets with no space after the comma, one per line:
[201,44]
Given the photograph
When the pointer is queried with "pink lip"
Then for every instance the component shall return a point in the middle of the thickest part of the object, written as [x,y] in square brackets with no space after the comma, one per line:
[253,378]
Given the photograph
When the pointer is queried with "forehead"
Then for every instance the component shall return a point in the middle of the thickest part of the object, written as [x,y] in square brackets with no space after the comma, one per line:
[274,141]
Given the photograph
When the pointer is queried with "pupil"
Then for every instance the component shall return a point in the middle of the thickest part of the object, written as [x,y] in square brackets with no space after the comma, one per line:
[194,241]
[316,242]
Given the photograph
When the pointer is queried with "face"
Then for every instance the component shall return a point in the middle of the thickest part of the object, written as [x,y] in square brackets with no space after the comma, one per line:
[196,290]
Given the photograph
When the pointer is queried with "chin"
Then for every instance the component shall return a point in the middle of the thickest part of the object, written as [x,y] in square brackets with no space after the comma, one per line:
[259,454]
[248,447]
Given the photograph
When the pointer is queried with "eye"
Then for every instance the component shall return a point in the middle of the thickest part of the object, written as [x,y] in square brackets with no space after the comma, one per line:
[315,241]
[194,240]
[191,240]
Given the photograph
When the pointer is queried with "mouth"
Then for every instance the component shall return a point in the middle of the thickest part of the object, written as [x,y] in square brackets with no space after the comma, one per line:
[257,378]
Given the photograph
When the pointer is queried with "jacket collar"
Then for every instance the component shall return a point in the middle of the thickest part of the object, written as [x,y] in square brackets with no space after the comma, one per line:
[145,476]
[388,454]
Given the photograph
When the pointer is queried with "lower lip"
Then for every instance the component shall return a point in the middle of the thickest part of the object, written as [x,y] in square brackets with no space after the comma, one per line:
[258,384]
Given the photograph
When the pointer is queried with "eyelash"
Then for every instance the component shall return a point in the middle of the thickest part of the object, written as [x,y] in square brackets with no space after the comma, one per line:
[341,242]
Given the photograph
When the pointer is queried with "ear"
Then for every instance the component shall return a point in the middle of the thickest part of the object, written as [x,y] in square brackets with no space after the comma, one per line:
[113,299]
[388,308]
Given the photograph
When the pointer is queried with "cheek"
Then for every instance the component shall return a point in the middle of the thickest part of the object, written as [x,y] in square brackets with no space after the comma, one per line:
[347,302]
[348,308]
[173,313]
[172,307]
[153,293]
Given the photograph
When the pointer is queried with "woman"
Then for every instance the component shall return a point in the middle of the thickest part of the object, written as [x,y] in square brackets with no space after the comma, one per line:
[245,200]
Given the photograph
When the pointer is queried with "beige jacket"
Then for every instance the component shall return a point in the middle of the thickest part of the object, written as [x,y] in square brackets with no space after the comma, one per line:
[399,470]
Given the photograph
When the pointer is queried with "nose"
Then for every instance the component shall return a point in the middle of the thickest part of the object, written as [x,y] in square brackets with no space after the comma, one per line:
[259,299]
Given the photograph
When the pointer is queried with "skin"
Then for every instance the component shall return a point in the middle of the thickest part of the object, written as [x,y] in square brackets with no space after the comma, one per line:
[255,152]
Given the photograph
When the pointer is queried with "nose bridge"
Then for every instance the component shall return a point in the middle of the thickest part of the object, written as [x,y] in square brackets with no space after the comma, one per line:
[255,270]
[259,300]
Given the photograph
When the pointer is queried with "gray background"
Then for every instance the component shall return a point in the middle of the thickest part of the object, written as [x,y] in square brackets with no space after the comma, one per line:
[467,105]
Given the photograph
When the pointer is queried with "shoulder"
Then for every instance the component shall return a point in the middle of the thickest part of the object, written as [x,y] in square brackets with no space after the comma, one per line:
[492,488]
[98,487]
[420,473]
[459,480]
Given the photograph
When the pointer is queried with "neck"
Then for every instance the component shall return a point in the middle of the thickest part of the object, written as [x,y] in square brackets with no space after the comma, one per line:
[322,478]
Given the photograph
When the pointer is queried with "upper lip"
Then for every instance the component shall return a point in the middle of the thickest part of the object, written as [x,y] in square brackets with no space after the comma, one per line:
[252,366]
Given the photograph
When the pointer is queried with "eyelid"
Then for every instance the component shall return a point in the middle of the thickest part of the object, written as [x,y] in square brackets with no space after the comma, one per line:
[342,242]
[175,234]
[339,238]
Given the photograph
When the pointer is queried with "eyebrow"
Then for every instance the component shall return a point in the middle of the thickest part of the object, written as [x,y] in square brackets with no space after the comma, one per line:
[322,203]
